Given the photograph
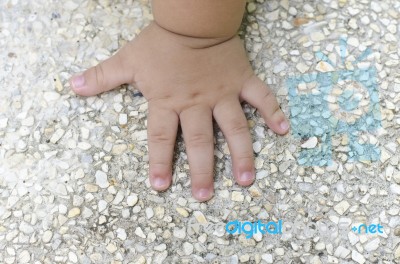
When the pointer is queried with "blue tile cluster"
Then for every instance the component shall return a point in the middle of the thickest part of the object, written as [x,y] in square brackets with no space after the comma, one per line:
[310,114]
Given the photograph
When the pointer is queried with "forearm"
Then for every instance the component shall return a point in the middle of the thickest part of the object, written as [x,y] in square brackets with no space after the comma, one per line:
[199,18]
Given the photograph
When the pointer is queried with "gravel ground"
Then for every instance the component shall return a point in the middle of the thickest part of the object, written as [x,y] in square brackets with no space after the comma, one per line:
[73,170]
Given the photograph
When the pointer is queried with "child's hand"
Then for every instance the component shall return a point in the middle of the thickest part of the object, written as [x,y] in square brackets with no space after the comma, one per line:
[189,80]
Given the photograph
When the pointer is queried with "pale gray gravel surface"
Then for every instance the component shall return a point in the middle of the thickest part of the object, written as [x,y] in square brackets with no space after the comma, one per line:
[73,171]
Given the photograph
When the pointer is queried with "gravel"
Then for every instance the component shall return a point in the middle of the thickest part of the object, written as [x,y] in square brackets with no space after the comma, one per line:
[74,186]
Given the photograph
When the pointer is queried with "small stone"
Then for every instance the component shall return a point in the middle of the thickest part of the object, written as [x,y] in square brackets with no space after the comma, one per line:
[132,199]
[244,258]
[357,257]
[79,174]
[353,238]
[279,251]
[25,228]
[121,233]
[187,249]
[341,207]
[395,188]
[397,252]
[323,66]
[310,143]
[3,122]
[385,155]
[101,179]
[298,21]
[284,166]
[279,67]
[102,205]
[376,7]
[111,248]
[286,25]
[96,258]
[320,246]
[372,245]
[317,36]
[267,258]
[91,187]
[341,252]
[273,168]
[47,236]
[255,191]
[149,212]
[24,257]
[77,200]
[84,145]
[365,20]
[123,119]
[257,147]
[29,121]
[51,96]
[237,196]
[119,149]
[139,232]
[57,135]
[251,7]
[292,11]
[302,67]
[179,233]
[182,211]
[200,217]
[396,177]
[72,257]
[119,197]
[74,212]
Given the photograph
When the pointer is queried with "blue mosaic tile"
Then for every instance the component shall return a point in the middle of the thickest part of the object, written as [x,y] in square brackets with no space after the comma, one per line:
[310,114]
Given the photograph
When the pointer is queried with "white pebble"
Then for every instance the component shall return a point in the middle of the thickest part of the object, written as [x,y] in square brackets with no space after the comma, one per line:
[121,233]
[119,197]
[357,257]
[101,179]
[132,199]
[57,135]
[102,205]
[341,207]
[372,245]
[24,257]
[187,248]
[139,232]
[123,119]
[47,236]
[73,257]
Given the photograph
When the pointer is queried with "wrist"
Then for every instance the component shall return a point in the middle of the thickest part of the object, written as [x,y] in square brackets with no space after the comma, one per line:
[200,19]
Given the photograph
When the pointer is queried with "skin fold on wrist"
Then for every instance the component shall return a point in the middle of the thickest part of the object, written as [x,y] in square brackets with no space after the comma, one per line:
[208,19]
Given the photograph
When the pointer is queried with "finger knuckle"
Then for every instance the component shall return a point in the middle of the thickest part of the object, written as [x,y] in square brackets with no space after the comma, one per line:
[267,94]
[245,157]
[159,137]
[202,174]
[199,139]
[238,127]
[100,78]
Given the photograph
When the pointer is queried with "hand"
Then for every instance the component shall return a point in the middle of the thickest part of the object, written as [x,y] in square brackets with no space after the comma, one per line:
[189,80]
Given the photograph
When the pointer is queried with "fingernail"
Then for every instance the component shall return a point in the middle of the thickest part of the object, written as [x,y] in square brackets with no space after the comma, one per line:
[246,176]
[78,81]
[159,183]
[285,125]
[203,193]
